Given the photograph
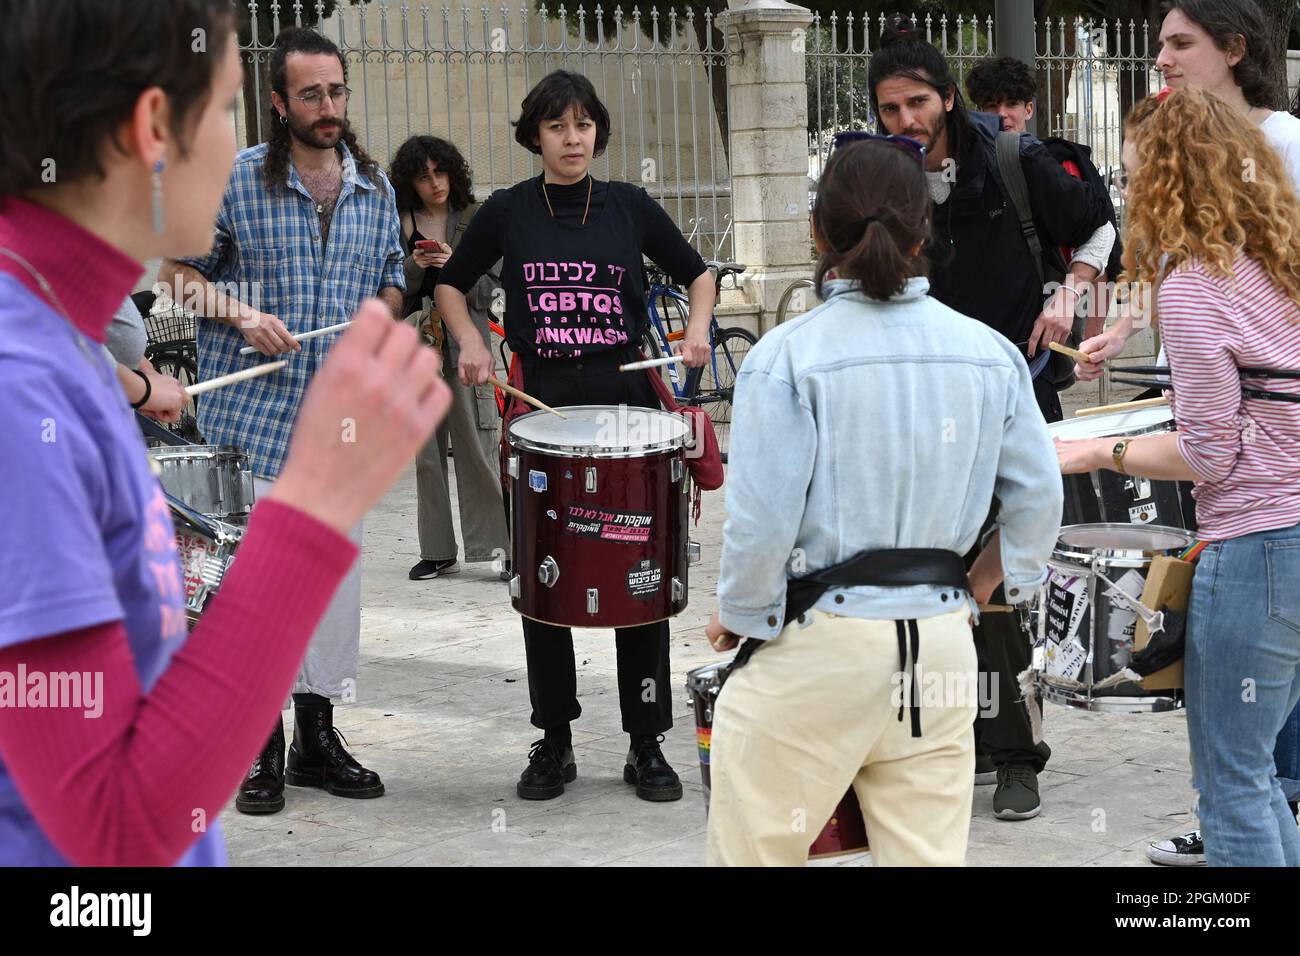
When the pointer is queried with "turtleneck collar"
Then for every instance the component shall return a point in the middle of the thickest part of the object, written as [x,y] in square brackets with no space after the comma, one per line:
[90,277]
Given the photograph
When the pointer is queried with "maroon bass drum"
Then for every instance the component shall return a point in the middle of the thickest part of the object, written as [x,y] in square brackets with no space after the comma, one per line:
[599,503]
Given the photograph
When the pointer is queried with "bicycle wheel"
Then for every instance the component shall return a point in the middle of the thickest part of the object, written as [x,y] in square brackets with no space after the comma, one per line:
[716,381]
[182,367]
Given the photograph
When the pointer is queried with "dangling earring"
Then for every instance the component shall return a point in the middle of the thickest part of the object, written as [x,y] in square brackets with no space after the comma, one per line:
[158,224]
[284,119]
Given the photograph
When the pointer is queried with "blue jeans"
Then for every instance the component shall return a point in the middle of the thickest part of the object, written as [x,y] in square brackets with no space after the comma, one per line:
[1243,682]
[1287,754]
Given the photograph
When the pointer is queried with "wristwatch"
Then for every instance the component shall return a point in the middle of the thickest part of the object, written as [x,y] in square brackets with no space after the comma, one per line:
[1117,453]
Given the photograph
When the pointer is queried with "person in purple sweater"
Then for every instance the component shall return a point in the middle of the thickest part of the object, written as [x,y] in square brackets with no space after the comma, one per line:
[122,737]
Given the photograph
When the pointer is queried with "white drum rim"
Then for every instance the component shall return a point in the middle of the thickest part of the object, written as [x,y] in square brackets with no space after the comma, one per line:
[1067,557]
[1144,422]
[198,452]
[587,449]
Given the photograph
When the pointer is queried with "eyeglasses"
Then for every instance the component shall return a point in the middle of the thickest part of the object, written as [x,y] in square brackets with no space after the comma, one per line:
[855,135]
[314,99]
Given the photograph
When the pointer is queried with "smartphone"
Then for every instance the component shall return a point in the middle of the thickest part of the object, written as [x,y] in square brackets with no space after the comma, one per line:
[428,245]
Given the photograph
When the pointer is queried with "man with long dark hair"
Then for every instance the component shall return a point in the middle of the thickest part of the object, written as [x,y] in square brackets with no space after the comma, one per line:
[308,229]
[983,264]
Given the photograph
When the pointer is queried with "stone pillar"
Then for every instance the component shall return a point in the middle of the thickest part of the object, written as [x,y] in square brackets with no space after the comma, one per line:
[769,148]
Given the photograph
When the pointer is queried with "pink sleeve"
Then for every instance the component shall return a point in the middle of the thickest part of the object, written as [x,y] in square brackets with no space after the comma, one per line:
[126,788]
[1201,336]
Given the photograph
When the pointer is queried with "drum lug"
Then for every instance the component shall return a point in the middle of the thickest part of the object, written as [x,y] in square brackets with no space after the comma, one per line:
[512,466]
[679,589]
[516,587]
[593,601]
[692,552]
[548,572]
[678,469]
[590,481]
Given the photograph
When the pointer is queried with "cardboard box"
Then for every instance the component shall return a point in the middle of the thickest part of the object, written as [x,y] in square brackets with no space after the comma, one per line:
[1168,587]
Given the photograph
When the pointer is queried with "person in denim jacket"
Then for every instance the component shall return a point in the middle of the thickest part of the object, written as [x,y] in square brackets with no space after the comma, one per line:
[880,420]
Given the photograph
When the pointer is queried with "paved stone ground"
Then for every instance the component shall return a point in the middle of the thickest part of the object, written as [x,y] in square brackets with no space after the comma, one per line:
[442,714]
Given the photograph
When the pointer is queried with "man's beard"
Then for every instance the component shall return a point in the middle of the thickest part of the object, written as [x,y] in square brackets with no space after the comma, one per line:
[311,134]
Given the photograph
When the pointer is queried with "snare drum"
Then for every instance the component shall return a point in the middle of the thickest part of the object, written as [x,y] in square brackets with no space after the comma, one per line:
[1107,496]
[214,480]
[843,838]
[207,549]
[599,506]
[1084,631]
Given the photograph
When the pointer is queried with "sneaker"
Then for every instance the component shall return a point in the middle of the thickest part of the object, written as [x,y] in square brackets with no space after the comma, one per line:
[986,772]
[432,569]
[1016,797]
[1185,850]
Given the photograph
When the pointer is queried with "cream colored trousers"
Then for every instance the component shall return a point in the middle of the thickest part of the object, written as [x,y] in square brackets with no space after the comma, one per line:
[815,711]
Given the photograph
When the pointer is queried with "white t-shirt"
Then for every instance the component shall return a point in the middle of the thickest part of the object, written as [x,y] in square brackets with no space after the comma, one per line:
[1282,130]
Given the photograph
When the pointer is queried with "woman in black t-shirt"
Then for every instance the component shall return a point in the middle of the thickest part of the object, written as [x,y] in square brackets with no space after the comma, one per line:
[586,239]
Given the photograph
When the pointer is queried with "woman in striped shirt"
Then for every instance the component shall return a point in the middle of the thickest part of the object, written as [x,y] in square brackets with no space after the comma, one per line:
[1214,223]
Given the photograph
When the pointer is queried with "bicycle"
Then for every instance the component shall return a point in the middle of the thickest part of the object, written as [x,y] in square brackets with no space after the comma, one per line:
[712,385]
[171,349]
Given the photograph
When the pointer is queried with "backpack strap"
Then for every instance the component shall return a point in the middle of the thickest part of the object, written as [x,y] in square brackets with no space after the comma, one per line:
[1013,181]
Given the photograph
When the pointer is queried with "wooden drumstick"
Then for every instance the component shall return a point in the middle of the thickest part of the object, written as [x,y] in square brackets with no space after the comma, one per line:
[1080,357]
[1121,407]
[995,608]
[304,336]
[652,363]
[221,381]
[525,397]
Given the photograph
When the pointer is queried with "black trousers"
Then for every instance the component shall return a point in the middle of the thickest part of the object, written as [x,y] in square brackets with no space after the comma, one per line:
[1003,651]
[644,678]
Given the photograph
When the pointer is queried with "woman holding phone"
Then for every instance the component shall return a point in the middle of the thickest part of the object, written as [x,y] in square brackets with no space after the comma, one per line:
[90,582]
[570,357]
[435,202]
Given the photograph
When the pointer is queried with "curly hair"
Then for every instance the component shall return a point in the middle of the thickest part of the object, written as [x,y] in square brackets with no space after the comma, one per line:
[410,161]
[1207,186]
[276,168]
[1007,80]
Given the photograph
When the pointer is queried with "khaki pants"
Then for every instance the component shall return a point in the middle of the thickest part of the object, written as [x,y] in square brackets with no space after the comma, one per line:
[478,484]
[816,711]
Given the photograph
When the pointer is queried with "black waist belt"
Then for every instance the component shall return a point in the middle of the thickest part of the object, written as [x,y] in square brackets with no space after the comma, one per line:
[894,568]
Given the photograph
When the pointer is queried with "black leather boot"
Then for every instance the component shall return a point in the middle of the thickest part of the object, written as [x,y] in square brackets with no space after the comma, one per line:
[263,788]
[646,767]
[550,767]
[317,757]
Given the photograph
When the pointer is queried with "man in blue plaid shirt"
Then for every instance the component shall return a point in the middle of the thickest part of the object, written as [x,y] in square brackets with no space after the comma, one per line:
[309,228]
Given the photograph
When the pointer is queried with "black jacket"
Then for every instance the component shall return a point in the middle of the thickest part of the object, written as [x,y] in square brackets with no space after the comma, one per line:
[979,262]
[1063,150]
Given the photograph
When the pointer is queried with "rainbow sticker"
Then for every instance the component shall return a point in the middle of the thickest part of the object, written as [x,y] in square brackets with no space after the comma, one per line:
[704,741]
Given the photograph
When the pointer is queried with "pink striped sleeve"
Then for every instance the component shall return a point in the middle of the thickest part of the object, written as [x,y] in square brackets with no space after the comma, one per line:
[127,787]
[1200,336]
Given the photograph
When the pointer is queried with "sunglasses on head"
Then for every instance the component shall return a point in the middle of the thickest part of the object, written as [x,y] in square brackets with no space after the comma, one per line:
[856,136]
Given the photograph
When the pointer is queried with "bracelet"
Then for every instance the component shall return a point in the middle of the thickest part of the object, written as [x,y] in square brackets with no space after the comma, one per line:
[1070,288]
[148,389]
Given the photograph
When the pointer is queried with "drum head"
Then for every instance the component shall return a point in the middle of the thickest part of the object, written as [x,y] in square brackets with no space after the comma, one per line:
[204,452]
[1141,421]
[1117,545]
[708,677]
[609,431]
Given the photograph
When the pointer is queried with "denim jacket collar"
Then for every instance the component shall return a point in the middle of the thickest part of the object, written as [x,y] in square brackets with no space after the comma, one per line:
[918,287]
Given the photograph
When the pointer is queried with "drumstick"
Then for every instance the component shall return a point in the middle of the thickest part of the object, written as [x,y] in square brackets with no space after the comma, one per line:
[223,380]
[995,608]
[652,363]
[249,349]
[1080,357]
[524,396]
[1121,407]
